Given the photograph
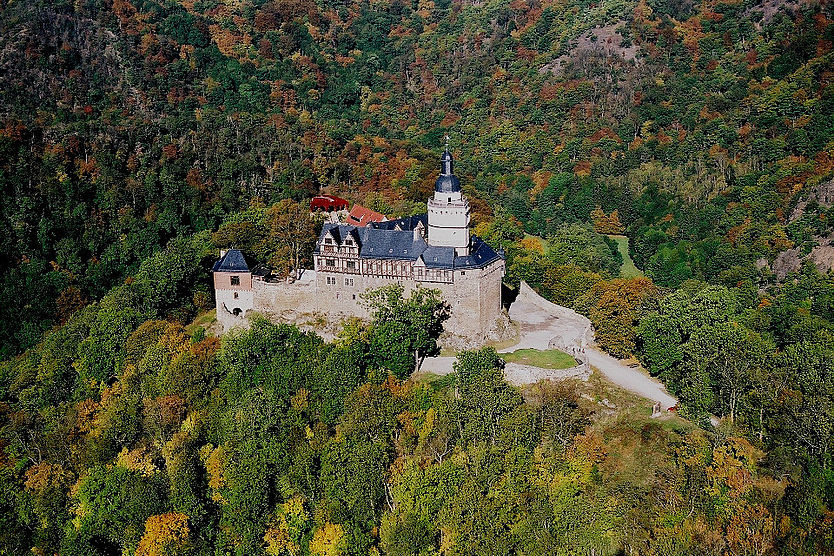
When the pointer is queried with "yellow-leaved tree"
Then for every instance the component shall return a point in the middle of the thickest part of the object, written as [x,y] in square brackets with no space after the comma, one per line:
[164,534]
[286,531]
[605,223]
[328,540]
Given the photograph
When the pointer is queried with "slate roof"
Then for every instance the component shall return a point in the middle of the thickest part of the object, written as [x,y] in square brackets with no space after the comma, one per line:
[340,232]
[376,243]
[232,261]
[480,254]
[447,181]
[391,244]
[439,257]
[407,223]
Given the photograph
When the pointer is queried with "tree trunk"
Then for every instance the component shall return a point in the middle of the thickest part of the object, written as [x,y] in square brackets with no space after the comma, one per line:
[761,422]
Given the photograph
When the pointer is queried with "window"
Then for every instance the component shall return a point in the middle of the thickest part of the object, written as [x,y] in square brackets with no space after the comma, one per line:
[351,265]
[463,273]
[236,296]
[348,241]
[235,280]
[331,281]
[328,241]
[348,281]
[330,262]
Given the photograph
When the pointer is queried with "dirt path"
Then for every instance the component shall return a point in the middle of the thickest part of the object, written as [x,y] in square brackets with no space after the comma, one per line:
[545,325]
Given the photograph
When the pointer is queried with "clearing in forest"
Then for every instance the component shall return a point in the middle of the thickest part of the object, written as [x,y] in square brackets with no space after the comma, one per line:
[628,270]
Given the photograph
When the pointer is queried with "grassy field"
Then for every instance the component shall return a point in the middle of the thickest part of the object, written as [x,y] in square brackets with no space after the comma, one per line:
[628,270]
[548,359]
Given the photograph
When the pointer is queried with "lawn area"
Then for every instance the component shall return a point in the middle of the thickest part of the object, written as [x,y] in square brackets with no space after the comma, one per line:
[628,270]
[548,359]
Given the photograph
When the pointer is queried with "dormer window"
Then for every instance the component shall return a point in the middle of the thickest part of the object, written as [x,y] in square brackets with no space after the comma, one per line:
[235,280]
[348,241]
[328,241]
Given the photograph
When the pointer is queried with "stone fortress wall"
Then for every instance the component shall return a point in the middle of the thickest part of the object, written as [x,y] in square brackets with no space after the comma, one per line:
[474,298]
[349,261]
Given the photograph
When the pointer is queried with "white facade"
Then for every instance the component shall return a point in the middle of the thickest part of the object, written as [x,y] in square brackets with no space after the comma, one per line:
[234,296]
[449,216]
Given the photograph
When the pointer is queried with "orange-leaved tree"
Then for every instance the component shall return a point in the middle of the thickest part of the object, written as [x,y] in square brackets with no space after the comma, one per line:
[616,308]
[164,534]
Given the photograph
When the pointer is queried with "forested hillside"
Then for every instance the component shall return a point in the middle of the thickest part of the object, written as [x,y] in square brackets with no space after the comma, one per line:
[138,136]
[127,124]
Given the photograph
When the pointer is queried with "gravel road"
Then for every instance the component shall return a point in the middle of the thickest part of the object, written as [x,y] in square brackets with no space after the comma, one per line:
[544,325]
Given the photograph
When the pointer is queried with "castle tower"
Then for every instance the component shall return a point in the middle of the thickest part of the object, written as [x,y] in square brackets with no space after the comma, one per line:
[232,287]
[448,210]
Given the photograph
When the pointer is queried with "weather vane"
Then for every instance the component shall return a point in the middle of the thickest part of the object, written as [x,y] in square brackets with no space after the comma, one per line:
[446,137]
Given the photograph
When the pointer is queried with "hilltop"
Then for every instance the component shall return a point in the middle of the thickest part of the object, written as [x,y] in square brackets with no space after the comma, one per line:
[138,137]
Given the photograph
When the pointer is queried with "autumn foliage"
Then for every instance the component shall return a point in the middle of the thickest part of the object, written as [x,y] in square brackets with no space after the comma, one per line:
[164,534]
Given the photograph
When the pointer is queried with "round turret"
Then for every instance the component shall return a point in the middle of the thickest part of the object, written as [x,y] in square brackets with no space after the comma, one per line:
[448,210]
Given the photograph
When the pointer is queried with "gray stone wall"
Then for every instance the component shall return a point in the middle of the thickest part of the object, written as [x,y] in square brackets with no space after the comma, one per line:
[474,298]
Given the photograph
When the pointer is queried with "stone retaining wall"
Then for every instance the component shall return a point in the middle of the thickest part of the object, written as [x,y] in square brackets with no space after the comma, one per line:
[518,374]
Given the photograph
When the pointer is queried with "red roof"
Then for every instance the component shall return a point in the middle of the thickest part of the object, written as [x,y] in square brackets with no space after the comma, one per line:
[362,216]
[328,203]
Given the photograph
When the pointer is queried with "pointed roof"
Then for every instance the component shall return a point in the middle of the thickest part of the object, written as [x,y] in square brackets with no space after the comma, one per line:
[447,181]
[362,216]
[340,232]
[232,261]
[376,243]
[480,255]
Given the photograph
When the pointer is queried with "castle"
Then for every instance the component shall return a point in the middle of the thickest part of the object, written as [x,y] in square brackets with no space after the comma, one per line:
[433,250]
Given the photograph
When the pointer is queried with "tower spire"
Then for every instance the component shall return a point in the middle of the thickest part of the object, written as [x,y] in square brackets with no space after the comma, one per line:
[446,161]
